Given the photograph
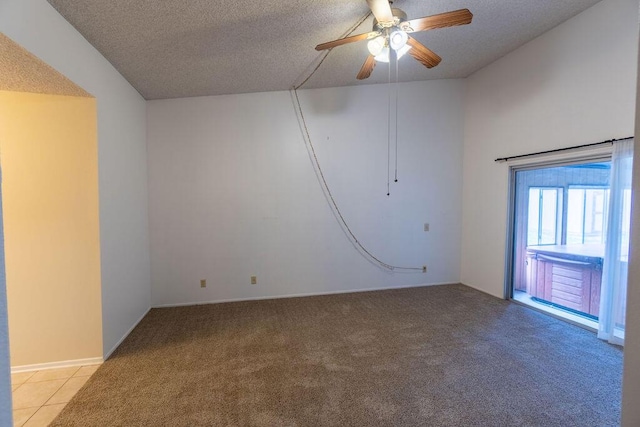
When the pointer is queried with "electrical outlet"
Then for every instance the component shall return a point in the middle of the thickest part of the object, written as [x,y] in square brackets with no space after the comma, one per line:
[424,268]
[203,283]
[426,226]
[254,280]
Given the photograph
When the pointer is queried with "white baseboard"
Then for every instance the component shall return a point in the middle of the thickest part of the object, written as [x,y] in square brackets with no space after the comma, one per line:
[310,294]
[57,365]
[126,334]
[77,362]
[484,291]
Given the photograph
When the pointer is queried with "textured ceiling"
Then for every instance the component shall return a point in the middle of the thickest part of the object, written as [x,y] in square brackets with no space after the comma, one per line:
[23,72]
[180,48]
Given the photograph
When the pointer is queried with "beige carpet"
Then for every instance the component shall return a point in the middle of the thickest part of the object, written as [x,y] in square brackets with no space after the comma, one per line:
[433,356]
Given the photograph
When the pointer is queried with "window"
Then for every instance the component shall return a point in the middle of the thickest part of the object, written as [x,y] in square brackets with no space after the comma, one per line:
[587,215]
[544,215]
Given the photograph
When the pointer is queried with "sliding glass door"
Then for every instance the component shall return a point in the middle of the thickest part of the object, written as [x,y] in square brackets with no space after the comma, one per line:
[560,231]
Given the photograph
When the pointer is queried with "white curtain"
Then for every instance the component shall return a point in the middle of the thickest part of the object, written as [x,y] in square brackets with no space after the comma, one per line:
[613,293]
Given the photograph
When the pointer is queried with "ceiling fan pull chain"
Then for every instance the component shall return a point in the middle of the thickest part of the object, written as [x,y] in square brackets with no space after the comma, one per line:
[396,95]
[389,130]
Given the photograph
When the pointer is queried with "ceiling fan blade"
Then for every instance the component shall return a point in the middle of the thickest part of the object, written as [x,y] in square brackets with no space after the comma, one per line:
[443,20]
[381,10]
[367,68]
[424,55]
[351,39]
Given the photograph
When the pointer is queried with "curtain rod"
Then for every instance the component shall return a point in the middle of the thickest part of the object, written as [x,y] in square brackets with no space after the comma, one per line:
[575,147]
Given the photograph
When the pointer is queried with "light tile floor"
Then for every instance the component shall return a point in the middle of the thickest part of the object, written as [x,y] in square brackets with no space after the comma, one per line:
[38,397]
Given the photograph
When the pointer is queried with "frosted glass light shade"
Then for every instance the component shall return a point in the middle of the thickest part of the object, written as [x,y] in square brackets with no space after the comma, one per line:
[398,39]
[384,55]
[376,45]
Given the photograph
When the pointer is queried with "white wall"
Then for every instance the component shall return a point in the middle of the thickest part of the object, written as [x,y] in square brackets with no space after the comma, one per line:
[573,85]
[233,192]
[121,157]
[631,382]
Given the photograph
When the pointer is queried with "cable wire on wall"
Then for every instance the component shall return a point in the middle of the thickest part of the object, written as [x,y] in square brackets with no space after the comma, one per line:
[327,52]
[307,138]
[333,201]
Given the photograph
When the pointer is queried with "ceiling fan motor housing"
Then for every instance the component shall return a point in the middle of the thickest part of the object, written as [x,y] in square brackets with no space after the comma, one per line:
[399,16]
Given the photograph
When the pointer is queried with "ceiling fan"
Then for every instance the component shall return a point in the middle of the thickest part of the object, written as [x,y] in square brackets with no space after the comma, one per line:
[390,37]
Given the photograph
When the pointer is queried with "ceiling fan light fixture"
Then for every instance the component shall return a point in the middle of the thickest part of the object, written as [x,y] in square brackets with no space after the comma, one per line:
[404,49]
[398,39]
[376,45]
[384,55]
